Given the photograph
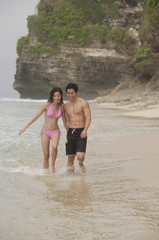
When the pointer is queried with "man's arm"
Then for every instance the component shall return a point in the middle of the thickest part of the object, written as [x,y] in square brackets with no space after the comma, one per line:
[65,118]
[87,114]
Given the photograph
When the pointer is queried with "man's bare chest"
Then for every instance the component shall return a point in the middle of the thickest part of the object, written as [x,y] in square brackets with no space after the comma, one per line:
[75,110]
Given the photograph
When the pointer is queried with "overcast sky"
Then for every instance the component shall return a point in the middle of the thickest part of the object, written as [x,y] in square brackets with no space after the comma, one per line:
[13,25]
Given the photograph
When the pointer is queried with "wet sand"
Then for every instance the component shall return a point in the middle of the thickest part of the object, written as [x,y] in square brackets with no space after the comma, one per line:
[145,169]
[135,110]
[140,155]
[118,198]
[144,151]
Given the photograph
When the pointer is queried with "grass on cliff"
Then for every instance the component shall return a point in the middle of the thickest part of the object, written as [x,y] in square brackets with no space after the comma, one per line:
[21,42]
[72,21]
[152,8]
[141,51]
[148,27]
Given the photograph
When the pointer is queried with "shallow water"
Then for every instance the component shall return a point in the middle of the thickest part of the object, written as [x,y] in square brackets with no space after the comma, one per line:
[106,203]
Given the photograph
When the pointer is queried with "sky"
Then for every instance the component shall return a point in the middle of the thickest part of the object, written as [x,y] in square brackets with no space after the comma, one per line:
[13,25]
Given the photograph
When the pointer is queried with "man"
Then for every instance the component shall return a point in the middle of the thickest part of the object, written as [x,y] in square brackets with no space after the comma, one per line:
[77,118]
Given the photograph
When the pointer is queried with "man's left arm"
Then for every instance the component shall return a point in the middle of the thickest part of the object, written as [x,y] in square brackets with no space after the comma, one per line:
[87,114]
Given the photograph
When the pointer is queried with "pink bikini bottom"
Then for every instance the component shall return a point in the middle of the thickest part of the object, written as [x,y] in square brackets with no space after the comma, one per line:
[50,133]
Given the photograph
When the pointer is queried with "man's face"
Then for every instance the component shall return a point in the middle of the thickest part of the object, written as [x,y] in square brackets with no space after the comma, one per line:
[71,94]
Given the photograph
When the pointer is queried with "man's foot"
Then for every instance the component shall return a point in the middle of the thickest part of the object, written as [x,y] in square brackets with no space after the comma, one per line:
[84,170]
[53,170]
[70,170]
[45,170]
[82,166]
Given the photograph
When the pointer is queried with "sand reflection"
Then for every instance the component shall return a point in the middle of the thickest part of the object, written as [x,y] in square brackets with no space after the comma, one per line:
[69,191]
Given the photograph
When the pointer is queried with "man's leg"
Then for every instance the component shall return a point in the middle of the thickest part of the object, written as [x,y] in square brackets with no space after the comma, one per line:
[80,158]
[70,152]
[81,150]
[70,164]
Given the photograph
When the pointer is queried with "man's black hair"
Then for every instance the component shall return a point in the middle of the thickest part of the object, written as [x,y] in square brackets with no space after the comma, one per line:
[73,86]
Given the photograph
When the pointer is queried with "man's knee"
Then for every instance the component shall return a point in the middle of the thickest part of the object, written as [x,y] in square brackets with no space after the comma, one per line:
[71,158]
[80,156]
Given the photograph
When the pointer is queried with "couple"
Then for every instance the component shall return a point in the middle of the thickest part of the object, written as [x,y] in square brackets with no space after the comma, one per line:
[76,116]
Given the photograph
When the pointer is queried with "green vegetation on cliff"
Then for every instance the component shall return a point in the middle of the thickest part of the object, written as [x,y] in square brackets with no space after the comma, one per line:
[152,8]
[76,22]
[148,28]
[21,42]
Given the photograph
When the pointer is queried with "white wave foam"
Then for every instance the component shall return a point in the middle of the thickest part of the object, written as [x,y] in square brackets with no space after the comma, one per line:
[26,170]
[39,171]
[22,100]
[30,171]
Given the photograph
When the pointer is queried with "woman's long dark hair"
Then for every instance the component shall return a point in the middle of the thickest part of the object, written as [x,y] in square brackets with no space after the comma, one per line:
[55,89]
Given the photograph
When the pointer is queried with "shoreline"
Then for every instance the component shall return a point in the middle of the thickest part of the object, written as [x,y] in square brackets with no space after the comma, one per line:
[138,109]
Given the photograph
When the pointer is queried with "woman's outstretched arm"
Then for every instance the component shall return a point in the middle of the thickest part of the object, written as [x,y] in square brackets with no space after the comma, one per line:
[35,118]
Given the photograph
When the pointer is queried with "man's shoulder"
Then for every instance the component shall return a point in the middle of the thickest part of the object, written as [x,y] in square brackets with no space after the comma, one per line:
[66,105]
[83,101]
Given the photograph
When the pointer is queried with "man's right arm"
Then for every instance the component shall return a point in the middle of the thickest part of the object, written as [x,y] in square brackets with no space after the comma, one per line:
[65,118]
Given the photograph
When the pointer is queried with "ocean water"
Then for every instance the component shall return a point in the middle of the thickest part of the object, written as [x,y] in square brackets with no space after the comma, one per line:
[106,203]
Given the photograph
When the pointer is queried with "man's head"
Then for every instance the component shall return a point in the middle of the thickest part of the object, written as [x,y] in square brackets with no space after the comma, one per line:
[72,86]
[71,90]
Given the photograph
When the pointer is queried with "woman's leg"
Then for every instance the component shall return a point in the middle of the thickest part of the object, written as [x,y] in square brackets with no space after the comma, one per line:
[55,141]
[45,142]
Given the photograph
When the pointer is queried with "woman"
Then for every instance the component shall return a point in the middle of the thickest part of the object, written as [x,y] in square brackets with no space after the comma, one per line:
[50,129]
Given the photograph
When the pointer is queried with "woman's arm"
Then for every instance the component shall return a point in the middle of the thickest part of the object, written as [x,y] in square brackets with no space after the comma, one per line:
[35,118]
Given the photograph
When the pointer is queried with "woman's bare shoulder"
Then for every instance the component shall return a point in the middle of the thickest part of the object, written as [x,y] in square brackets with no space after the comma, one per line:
[45,105]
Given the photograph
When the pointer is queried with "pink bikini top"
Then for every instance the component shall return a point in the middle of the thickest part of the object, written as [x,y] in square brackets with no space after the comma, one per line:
[51,114]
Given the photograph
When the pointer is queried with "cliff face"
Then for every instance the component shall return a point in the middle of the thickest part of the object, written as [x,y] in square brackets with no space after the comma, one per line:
[97,67]
[95,70]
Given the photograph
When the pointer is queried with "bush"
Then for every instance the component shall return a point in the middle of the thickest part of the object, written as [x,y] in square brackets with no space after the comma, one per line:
[72,21]
[37,49]
[21,42]
[150,6]
[141,51]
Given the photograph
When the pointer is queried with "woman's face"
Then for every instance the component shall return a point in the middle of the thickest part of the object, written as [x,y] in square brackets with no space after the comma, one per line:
[56,97]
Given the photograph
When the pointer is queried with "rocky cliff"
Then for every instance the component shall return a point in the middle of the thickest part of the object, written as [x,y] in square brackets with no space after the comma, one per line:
[100,63]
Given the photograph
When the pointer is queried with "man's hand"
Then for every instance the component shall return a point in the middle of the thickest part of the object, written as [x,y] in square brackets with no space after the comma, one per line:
[83,134]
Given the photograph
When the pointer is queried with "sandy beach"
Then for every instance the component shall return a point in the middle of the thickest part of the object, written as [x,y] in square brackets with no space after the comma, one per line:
[135,110]
[143,148]
[116,200]
[146,170]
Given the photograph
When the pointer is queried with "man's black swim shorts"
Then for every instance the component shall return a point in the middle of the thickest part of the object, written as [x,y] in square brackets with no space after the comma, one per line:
[74,142]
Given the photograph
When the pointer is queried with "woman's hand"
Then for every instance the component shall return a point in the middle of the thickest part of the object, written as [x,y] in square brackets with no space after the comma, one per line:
[21,131]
